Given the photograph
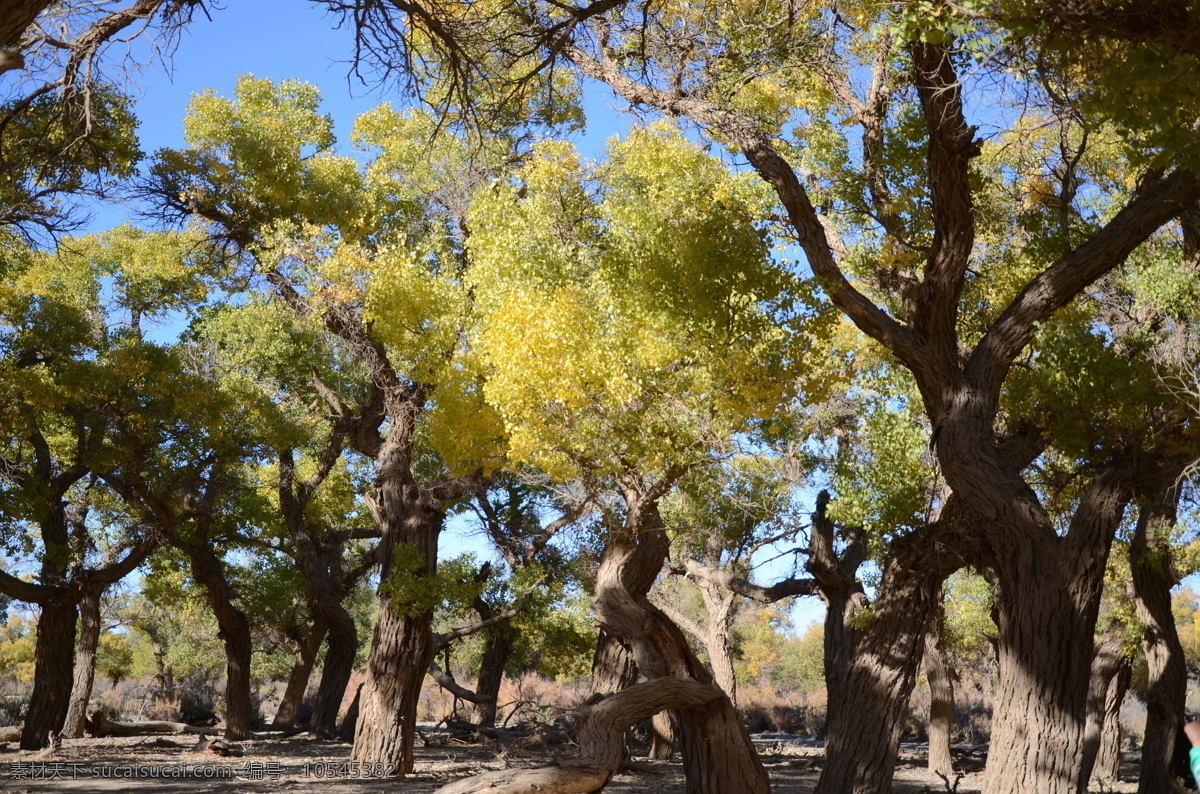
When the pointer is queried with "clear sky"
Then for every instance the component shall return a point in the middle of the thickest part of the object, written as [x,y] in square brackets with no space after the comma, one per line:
[297,40]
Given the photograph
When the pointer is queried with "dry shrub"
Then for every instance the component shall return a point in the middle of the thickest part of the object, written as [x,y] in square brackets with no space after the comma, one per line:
[771,710]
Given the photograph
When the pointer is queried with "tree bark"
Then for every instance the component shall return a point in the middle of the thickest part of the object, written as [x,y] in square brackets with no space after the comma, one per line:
[941,695]
[297,685]
[498,648]
[234,631]
[662,737]
[335,674]
[1153,578]
[1106,664]
[350,721]
[85,664]
[717,753]
[54,657]
[99,726]
[866,717]
[603,723]
[1108,758]
[402,644]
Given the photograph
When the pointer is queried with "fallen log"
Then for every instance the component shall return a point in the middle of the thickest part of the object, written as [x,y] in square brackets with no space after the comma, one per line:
[603,723]
[10,733]
[99,726]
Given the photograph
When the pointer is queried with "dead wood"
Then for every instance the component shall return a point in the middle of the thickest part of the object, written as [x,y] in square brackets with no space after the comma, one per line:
[100,726]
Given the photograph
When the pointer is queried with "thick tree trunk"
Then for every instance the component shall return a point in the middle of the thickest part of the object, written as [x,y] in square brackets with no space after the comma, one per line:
[866,718]
[1167,686]
[297,685]
[54,658]
[85,664]
[335,674]
[498,648]
[941,695]
[402,645]
[1044,654]
[234,631]
[1108,758]
[1106,664]
[717,753]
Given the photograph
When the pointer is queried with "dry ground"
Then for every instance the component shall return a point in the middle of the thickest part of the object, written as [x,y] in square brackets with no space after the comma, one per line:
[300,765]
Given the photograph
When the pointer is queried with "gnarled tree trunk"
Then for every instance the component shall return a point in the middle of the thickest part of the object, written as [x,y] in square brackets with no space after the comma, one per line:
[1108,758]
[85,664]
[339,665]
[293,694]
[717,753]
[1106,664]
[604,719]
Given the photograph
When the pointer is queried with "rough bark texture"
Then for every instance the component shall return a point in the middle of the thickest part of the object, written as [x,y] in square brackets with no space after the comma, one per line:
[662,737]
[350,721]
[336,672]
[54,657]
[297,685]
[717,753]
[1107,663]
[85,664]
[602,726]
[941,695]
[402,645]
[1167,673]
[1108,757]
[865,721]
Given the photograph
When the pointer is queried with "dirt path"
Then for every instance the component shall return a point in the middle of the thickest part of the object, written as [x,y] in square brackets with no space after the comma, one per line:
[302,766]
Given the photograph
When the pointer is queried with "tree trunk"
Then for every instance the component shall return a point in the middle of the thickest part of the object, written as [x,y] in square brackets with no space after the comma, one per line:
[350,721]
[1106,664]
[335,675]
[402,644]
[497,649]
[234,631]
[54,657]
[718,755]
[1108,758]
[941,695]
[297,685]
[85,664]
[1167,674]
[867,715]
[718,640]
[662,737]
[1044,654]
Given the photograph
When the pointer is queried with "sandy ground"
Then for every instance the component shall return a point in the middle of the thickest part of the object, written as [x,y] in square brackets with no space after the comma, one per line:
[302,765]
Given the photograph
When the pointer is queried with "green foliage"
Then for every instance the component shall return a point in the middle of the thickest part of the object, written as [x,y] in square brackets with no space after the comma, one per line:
[114,657]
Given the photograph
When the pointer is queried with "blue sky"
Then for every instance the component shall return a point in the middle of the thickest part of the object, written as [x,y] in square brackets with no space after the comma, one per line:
[292,40]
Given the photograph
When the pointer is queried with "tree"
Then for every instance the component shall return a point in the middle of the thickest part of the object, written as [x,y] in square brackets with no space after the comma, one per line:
[631,327]
[373,260]
[895,233]
[85,393]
